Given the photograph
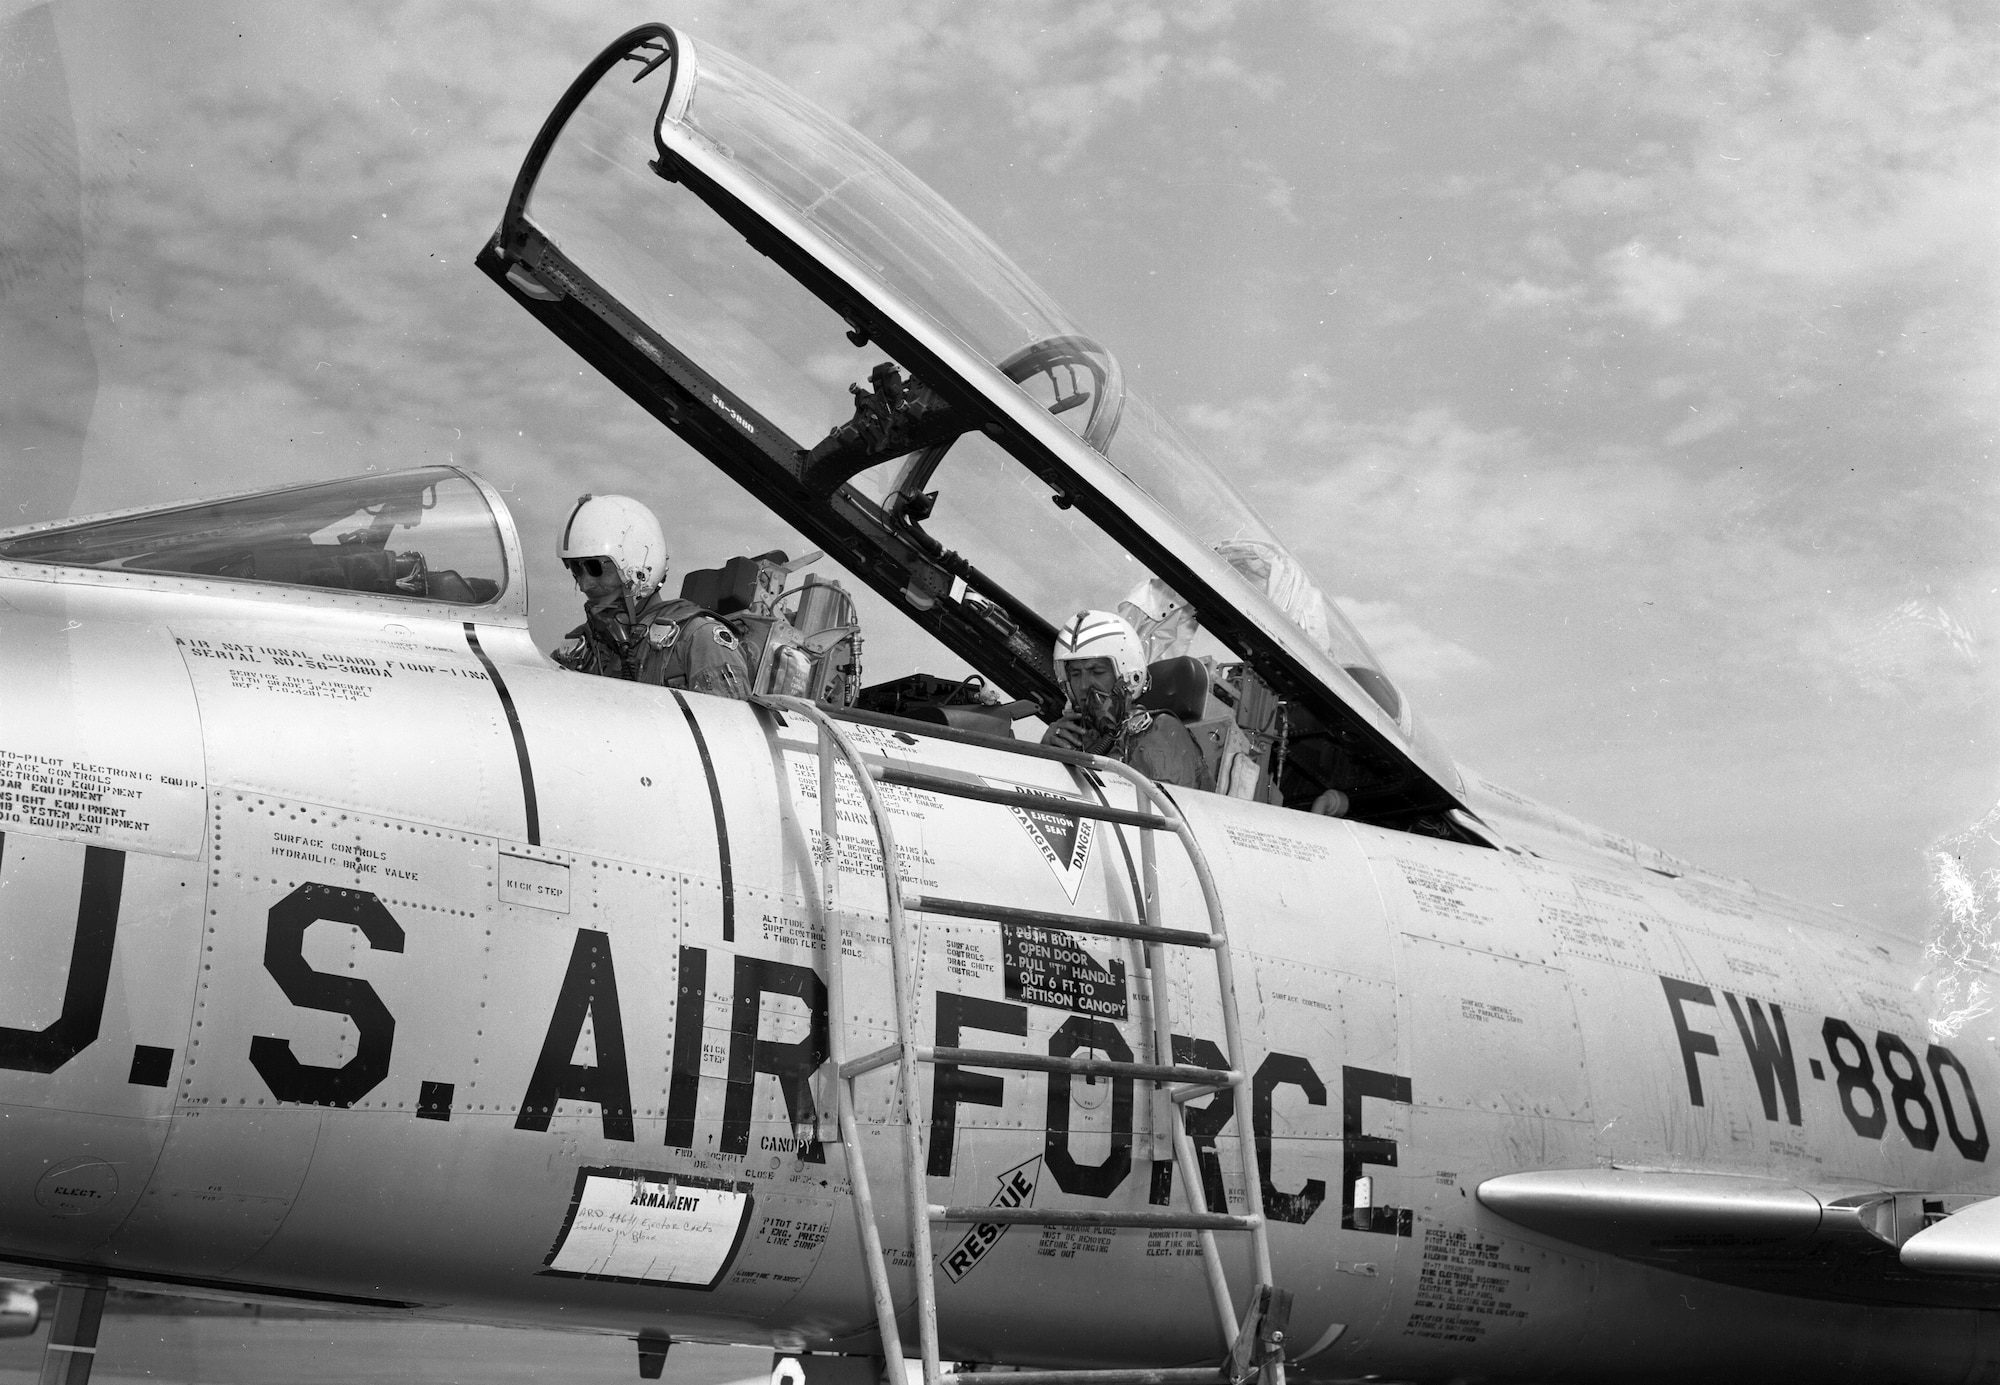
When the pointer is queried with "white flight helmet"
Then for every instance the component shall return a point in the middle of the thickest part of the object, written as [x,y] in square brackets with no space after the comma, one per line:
[621,529]
[1102,635]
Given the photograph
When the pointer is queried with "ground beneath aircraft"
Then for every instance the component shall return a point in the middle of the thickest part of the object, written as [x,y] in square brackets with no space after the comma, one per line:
[160,1349]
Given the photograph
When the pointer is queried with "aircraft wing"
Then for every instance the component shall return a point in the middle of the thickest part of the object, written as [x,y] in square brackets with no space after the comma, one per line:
[1965,1243]
[831,334]
[1835,1241]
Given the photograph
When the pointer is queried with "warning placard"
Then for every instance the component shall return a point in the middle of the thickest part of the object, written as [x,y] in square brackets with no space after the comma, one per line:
[650,1228]
[1017,1189]
[1064,841]
[1045,967]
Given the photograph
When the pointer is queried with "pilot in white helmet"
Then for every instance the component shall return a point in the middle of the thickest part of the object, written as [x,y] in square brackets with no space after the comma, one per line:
[1103,667]
[613,547]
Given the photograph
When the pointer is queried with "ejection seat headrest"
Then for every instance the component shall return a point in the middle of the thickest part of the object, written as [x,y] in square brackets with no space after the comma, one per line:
[1179,686]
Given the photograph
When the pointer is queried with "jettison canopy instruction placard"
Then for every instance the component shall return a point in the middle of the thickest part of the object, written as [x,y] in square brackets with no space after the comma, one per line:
[1044,967]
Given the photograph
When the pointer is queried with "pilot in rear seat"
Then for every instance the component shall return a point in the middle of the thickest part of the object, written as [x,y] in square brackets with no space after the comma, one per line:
[1103,667]
[614,548]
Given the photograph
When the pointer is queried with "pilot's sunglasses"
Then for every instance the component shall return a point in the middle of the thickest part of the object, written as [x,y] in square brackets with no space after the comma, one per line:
[592,567]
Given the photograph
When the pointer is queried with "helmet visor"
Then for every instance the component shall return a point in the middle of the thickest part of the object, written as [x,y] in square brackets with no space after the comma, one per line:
[595,574]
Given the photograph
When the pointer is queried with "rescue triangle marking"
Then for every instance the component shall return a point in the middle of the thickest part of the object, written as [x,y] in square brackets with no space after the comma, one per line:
[1064,841]
[1017,1189]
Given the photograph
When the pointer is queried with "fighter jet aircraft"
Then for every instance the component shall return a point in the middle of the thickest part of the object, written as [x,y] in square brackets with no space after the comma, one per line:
[363,956]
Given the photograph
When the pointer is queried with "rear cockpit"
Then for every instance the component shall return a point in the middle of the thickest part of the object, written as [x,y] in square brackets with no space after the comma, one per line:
[827,331]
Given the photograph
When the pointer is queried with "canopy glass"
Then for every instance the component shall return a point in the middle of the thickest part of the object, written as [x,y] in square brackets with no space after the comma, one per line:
[425,535]
[832,334]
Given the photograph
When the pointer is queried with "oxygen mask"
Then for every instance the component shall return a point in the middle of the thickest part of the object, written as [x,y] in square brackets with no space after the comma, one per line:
[610,606]
[1102,710]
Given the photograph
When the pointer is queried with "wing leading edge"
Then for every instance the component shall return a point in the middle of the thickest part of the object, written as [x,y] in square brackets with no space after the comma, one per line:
[1965,1243]
[1846,1242]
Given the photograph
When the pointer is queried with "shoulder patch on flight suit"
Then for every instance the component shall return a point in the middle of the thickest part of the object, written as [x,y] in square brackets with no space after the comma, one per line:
[725,637]
[663,635]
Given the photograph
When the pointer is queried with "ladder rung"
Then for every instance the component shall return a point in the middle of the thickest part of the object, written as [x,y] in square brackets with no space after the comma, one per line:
[1013,798]
[937,731]
[880,1058]
[1051,1216]
[1063,923]
[1081,1067]
[1132,1375]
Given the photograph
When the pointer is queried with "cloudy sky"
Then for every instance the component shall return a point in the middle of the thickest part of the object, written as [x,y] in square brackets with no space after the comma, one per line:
[1629,369]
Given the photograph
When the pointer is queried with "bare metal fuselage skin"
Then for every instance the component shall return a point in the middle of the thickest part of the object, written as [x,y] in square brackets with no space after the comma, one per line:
[357,952]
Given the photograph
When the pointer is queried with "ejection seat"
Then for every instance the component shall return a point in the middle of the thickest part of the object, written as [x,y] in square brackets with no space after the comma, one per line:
[1236,722]
[811,649]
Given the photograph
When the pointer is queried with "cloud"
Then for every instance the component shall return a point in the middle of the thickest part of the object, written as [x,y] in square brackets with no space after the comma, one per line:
[1525,295]
[1489,502]
[1702,423]
[49,380]
[1422,503]
[1739,167]
[1655,288]
[1911,651]
[1411,38]
[1410,652]
[1960,947]
[1055,72]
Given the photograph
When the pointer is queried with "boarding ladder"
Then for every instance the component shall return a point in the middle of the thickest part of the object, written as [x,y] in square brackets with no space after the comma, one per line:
[1257,1340]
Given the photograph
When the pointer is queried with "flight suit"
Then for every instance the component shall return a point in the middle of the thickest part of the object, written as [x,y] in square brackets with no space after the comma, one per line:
[671,644]
[1159,746]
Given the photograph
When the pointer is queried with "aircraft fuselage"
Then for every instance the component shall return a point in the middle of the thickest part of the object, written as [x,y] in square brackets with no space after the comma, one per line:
[375,960]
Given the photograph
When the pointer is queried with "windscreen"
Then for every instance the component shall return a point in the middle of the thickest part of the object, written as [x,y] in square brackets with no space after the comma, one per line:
[424,535]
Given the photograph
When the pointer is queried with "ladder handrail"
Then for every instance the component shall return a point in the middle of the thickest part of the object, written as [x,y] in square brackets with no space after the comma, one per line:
[1253,1190]
[1167,1114]
[1013,798]
[938,731]
[1166,816]
[903,978]
[836,1044]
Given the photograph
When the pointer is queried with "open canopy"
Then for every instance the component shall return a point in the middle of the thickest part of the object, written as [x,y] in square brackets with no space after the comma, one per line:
[834,336]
